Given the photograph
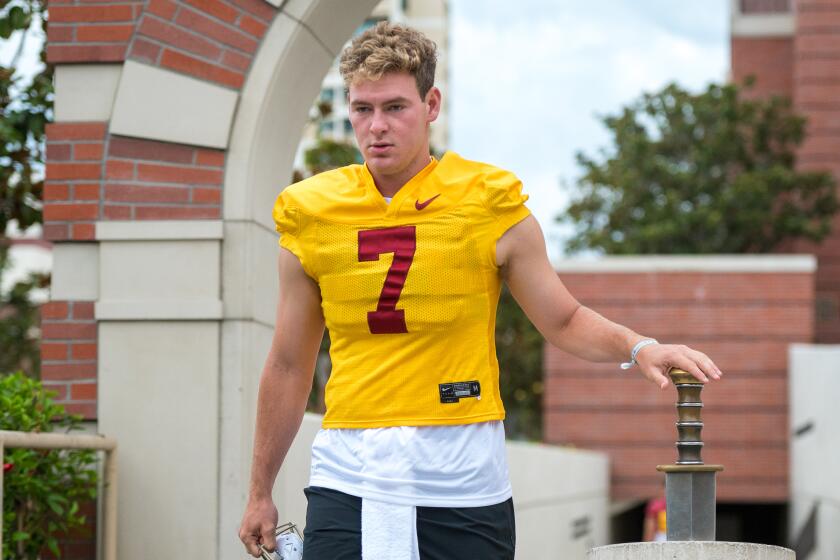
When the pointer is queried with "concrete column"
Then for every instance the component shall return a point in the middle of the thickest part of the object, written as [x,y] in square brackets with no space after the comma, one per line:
[691,550]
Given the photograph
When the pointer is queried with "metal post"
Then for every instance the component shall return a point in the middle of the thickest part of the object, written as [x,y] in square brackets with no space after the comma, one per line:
[689,484]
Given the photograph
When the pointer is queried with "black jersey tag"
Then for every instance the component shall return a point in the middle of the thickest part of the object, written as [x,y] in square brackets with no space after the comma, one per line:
[453,392]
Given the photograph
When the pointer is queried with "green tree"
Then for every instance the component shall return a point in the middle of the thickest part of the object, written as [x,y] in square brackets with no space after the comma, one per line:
[19,334]
[712,172]
[325,153]
[42,489]
[519,347]
[25,107]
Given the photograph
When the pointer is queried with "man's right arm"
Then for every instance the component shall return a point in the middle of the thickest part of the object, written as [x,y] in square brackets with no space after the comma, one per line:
[284,390]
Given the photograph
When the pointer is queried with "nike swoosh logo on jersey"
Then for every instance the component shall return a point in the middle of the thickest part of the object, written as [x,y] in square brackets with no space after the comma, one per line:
[420,205]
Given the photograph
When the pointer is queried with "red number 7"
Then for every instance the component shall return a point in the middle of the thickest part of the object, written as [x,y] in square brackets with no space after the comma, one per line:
[402,241]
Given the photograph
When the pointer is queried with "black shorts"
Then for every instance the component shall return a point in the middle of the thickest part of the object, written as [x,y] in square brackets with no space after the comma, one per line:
[334,529]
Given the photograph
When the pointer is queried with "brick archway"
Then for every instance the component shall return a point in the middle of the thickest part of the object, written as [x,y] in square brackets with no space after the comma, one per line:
[175,127]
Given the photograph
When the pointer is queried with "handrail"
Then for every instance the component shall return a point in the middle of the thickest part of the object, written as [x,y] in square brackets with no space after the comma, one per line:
[67,441]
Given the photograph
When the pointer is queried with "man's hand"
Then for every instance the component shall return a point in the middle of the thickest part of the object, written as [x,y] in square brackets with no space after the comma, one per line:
[656,360]
[258,526]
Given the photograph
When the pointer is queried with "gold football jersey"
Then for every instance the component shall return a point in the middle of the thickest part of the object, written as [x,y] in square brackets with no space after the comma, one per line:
[409,288]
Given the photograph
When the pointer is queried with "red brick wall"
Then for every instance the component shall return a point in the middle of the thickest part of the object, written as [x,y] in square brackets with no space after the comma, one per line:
[149,180]
[135,180]
[745,322]
[768,59]
[210,39]
[817,96]
[73,180]
[806,67]
[68,354]
[84,32]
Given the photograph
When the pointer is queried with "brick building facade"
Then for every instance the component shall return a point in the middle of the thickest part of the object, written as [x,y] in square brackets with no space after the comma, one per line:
[792,48]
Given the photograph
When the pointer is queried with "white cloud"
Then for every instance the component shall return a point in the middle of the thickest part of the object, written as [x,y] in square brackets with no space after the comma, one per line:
[528,82]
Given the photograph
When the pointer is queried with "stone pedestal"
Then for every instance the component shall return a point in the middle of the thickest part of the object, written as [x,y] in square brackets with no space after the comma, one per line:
[690,550]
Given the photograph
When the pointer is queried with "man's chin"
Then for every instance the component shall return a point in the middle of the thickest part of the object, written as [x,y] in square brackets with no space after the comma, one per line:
[382,164]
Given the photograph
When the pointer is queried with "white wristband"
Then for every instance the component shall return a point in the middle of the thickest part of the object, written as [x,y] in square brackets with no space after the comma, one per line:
[639,345]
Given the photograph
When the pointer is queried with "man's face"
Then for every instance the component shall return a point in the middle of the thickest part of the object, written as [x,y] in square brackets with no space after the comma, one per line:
[391,121]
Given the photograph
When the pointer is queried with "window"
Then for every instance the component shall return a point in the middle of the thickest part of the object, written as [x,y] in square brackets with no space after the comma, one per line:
[369,22]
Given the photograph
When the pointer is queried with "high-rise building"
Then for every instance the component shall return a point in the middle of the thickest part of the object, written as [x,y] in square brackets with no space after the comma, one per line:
[428,16]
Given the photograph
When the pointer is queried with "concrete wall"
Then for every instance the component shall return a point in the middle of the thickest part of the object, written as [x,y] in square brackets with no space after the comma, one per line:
[560,495]
[815,456]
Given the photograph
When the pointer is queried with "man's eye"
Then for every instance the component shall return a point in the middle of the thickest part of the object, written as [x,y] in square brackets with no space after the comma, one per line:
[396,107]
[361,109]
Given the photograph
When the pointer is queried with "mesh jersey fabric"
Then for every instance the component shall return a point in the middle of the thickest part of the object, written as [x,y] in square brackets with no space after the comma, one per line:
[409,288]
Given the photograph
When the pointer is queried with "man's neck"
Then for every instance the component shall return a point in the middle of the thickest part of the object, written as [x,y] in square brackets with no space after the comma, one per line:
[388,185]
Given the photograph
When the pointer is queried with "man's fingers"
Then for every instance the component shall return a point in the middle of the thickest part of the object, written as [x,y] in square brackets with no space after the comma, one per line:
[698,364]
[268,537]
[250,542]
[706,364]
[655,376]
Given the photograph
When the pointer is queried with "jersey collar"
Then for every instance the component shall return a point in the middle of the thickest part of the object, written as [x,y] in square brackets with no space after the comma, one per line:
[406,191]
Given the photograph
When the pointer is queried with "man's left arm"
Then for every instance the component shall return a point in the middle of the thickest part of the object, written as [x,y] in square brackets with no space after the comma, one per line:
[563,321]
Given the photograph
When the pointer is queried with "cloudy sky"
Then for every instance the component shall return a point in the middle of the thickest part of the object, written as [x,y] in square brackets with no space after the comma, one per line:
[528,79]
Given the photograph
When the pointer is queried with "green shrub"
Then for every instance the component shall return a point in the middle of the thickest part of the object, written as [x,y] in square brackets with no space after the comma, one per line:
[41,488]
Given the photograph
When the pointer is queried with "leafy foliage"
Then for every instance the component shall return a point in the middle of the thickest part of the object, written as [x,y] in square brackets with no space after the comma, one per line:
[519,347]
[19,334]
[326,153]
[700,173]
[25,108]
[42,489]
[329,154]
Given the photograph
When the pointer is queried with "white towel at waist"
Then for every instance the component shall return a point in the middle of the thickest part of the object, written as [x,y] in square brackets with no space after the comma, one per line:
[389,531]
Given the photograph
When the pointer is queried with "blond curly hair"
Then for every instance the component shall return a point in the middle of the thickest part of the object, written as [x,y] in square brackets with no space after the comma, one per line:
[389,47]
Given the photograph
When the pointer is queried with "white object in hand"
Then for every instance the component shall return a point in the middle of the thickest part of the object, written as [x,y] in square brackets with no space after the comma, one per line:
[289,546]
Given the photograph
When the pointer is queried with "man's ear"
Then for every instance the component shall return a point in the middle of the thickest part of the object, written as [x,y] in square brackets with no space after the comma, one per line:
[433,101]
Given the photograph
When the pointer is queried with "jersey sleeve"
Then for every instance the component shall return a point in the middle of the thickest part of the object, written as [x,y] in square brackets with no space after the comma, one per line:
[505,201]
[287,222]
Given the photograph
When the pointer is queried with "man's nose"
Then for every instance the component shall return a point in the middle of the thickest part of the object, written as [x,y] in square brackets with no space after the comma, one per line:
[378,123]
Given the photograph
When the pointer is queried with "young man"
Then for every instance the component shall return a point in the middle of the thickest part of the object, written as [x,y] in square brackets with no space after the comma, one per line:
[403,258]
